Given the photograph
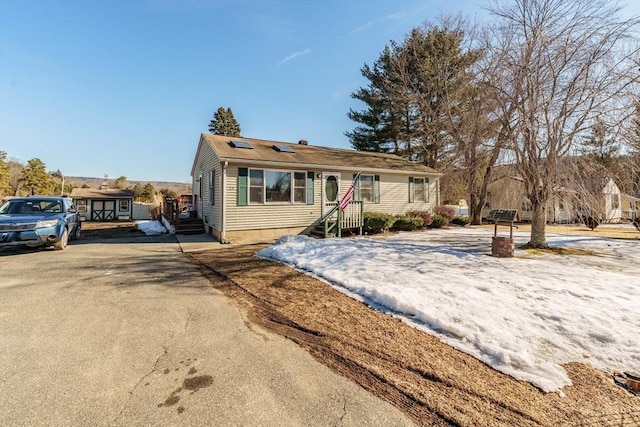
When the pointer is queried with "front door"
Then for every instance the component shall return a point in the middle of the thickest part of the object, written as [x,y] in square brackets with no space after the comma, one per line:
[103,210]
[330,190]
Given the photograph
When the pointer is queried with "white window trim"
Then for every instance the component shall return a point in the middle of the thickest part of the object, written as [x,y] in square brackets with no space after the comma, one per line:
[425,187]
[291,173]
[212,190]
[373,185]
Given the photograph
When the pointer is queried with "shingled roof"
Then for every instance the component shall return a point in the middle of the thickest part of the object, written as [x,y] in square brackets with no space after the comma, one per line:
[94,193]
[309,156]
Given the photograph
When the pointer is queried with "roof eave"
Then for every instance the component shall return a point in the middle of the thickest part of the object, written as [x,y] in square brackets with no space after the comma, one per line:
[297,165]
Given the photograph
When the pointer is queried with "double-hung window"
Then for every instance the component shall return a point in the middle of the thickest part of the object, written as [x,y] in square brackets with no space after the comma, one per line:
[212,187]
[368,189]
[615,201]
[299,187]
[418,189]
[256,186]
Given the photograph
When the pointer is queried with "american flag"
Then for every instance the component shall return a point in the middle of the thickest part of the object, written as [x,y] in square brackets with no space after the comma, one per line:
[349,194]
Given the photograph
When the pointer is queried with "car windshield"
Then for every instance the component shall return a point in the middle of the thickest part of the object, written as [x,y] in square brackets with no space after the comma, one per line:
[30,207]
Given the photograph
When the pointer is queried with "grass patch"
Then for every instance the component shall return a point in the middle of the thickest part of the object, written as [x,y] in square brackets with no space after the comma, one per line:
[556,251]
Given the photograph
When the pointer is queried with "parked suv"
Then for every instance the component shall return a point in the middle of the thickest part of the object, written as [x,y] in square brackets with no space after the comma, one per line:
[38,221]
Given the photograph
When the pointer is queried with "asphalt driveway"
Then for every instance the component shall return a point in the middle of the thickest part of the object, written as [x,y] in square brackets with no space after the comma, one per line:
[127,332]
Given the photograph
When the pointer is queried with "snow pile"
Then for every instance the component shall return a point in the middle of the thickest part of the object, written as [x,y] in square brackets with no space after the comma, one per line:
[151,228]
[524,316]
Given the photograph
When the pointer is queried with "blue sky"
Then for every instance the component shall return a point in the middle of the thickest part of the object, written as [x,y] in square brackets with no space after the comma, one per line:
[126,87]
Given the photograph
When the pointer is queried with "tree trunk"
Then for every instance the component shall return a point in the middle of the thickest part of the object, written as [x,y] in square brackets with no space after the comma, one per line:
[475,209]
[539,226]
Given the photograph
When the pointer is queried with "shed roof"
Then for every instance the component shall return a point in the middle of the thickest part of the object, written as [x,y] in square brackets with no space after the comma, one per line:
[274,152]
[94,193]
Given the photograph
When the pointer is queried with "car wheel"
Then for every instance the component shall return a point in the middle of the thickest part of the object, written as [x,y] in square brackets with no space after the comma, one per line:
[76,235]
[62,243]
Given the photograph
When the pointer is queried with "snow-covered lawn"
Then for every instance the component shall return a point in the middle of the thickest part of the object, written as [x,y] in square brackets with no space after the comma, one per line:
[524,316]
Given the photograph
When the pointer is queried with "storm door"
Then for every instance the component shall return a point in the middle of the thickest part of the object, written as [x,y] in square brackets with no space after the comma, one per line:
[330,190]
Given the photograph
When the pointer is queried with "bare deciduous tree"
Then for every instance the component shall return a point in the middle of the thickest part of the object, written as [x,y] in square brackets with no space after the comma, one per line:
[563,65]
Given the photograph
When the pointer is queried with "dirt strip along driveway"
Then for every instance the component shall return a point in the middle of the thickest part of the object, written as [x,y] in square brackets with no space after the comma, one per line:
[430,381]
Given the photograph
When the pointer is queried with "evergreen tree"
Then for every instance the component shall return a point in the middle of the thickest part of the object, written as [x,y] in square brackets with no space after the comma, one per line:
[138,188]
[57,181]
[409,96]
[121,182]
[224,123]
[35,179]
[380,120]
[168,193]
[148,193]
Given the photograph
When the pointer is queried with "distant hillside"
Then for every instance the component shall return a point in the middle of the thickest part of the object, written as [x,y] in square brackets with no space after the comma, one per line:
[92,182]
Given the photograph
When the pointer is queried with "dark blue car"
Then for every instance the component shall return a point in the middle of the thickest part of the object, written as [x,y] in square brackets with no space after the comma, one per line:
[38,221]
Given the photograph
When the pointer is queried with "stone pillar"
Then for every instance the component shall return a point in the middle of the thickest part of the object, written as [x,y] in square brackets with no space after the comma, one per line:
[502,247]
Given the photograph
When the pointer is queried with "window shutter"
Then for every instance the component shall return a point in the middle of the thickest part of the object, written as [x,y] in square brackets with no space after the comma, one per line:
[376,189]
[243,183]
[410,189]
[356,191]
[310,187]
[427,190]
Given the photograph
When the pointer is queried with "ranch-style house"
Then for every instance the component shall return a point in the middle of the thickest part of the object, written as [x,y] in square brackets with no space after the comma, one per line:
[250,189]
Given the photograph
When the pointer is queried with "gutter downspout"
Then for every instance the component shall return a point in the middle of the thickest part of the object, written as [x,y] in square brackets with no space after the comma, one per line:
[223,207]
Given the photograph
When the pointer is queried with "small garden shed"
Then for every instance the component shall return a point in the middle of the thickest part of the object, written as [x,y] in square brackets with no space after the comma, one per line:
[251,189]
[103,204]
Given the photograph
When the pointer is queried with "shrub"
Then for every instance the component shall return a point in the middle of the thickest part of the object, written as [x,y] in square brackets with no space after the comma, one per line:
[591,222]
[376,222]
[446,211]
[439,221]
[425,215]
[408,223]
[461,220]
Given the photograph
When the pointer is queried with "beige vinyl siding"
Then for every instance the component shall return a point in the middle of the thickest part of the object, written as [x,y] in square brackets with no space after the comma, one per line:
[394,195]
[206,161]
[268,216]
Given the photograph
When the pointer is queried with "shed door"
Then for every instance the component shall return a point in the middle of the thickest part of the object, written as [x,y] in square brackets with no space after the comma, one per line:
[103,210]
[330,190]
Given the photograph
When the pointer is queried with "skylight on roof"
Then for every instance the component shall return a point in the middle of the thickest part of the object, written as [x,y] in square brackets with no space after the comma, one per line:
[240,144]
[284,149]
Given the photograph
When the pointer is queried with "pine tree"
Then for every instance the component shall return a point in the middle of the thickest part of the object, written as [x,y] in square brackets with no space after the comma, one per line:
[409,95]
[224,123]
[148,192]
[35,179]
[120,183]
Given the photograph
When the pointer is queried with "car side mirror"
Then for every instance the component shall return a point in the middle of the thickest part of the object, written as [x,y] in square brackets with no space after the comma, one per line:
[72,210]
